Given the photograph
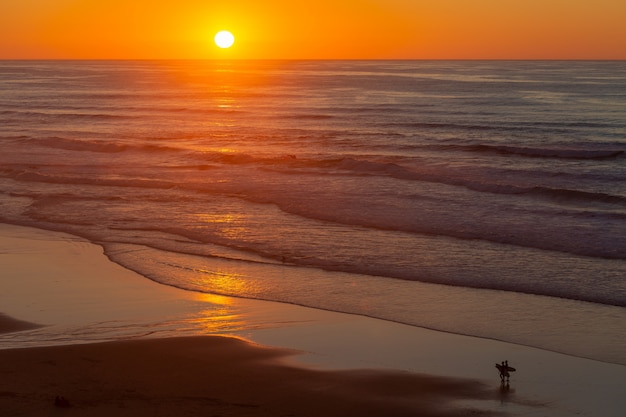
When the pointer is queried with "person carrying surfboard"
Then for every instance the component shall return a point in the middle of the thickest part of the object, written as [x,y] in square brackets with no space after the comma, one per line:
[504,370]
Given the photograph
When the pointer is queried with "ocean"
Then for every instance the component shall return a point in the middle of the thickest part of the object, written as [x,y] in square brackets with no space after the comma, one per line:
[485,198]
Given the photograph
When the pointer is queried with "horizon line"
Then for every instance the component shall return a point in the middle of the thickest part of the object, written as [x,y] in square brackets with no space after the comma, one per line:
[325,59]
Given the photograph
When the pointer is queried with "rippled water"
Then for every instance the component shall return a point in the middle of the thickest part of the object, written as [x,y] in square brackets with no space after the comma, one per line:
[483,198]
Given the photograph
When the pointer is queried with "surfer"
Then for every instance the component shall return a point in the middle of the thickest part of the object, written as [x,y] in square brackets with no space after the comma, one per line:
[504,370]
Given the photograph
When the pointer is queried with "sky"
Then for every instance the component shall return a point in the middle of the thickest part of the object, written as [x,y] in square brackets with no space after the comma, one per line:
[320,29]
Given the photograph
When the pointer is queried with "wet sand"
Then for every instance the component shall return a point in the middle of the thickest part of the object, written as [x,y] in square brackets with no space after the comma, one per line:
[212,376]
[114,343]
[9,324]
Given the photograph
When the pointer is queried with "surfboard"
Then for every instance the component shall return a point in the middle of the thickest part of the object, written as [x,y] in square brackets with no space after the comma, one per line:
[503,368]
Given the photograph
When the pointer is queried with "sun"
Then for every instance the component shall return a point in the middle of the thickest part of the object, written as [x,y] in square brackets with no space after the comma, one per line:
[224,39]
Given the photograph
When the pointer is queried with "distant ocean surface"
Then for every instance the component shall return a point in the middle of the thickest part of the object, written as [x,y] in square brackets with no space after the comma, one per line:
[484,198]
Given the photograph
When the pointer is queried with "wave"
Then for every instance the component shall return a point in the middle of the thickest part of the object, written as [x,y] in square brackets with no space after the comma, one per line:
[96,146]
[577,195]
[466,127]
[365,167]
[362,167]
[383,109]
[308,116]
[30,176]
[358,272]
[487,124]
[61,115]
[562,153]
[503,227]
[292,164]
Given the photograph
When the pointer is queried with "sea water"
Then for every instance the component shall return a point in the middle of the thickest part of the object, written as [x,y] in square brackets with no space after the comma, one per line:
[485,198]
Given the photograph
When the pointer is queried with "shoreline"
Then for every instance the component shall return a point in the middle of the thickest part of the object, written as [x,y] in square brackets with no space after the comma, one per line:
[82,299]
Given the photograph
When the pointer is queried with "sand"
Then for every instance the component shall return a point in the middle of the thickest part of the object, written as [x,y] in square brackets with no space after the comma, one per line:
[211,376]
[9,324]
[114,343]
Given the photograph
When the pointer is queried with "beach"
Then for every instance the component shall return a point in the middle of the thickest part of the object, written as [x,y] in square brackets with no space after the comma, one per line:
[112,342]
[218,375]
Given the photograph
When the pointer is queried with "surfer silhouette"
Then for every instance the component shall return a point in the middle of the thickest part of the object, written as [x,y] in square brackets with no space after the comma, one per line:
[505,371]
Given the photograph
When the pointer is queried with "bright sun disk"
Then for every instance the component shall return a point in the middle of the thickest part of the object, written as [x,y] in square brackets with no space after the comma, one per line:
[224,39]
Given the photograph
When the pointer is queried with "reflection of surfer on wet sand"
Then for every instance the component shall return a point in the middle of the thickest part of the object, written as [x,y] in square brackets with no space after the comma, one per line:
[504,370]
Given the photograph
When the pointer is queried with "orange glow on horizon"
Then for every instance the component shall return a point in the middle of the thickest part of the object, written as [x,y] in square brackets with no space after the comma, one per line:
[281,29]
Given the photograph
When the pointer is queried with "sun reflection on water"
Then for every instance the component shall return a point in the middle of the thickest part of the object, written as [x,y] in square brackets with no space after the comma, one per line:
[229,225]
[218,321]
[220,315]
[224,315]
[225,282]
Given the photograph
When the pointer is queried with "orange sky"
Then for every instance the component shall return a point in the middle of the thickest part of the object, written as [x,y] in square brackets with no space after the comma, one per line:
[333,29]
